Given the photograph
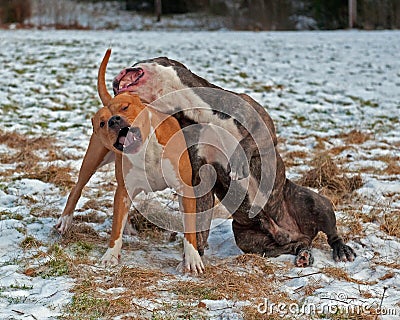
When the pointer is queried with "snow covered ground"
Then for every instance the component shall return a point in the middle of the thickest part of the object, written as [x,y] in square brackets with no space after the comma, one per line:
[318,88]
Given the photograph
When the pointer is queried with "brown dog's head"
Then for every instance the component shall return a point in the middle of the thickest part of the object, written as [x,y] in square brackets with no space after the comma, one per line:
[123,123]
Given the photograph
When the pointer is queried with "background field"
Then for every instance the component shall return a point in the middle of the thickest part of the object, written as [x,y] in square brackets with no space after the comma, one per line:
[335,100]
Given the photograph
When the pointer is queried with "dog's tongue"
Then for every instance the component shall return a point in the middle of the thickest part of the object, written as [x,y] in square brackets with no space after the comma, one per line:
[121,140]
[133,141]
[129,139]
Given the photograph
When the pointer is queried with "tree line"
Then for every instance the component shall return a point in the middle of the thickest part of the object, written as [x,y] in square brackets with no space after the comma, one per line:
[251,14]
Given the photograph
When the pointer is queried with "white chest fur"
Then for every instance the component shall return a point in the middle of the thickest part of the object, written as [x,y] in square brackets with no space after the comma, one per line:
[147,170]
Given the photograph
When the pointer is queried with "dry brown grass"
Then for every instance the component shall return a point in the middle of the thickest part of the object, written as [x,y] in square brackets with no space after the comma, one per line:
[320,143]
[60,176]
[350,225]
[25,148]
[251,313]
[26,157]
[340,274]
[292,158]
[391,223]
[94,296]
[329,179]
[309,289]
[321,242]
[393,164]
[82,232]
[140,223]
[338,150]
[393,167]
[97,205]
[245,277]
[91,217]
[355,137]
[392,265]
[18,141]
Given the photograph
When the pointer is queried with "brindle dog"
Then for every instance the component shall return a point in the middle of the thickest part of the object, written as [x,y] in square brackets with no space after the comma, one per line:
[292,215]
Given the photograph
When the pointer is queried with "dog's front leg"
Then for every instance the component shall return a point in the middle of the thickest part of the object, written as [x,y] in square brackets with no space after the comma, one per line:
[188,203]
[121,207]
[95,155]
[122,203]
[191,258]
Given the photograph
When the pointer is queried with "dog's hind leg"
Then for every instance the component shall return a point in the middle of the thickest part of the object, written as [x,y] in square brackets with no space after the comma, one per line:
[340,251]
[313,213]
[251,239]
[95,155]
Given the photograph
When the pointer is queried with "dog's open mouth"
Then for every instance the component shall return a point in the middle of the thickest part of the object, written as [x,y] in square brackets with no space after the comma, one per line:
[129,140]
[127,78]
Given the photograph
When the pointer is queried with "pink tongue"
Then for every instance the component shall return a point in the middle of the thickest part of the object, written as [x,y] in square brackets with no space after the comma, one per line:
[121,140]
[129,138]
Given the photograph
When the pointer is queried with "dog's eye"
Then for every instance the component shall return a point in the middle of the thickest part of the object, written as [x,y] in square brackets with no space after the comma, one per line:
[125,108]
[102,124]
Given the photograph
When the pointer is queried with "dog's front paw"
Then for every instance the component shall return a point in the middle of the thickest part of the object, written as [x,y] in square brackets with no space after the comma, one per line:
[63,223]
[193,264]
[111,258]
[342,252]
[191,259]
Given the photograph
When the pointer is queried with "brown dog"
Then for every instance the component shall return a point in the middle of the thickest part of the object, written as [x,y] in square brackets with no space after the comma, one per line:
[134,132]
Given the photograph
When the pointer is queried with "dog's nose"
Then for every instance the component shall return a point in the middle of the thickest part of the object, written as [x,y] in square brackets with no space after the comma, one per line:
[114,121]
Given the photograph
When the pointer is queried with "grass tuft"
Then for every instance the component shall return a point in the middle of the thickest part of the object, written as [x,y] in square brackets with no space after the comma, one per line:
[60,176]
[329,179]
[30,242]
[391,223]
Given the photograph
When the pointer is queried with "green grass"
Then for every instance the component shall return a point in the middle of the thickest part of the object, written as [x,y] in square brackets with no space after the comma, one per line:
[81,249]
[85,306]
[30,242]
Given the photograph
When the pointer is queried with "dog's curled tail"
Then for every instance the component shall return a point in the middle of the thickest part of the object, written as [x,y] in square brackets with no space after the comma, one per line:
[101,79]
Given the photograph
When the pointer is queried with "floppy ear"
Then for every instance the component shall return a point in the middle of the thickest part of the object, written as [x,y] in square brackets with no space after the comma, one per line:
[93,125]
